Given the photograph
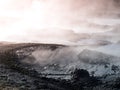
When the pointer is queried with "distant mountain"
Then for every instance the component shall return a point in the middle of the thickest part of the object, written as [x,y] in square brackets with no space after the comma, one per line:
[5,43]
[94,42]
[111,49]
[94,57]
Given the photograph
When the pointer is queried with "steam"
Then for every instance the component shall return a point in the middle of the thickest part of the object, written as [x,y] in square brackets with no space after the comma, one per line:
[66,59]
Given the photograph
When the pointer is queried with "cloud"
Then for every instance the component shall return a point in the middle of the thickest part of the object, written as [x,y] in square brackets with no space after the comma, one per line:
[14,5]
[27,20]
[52,35]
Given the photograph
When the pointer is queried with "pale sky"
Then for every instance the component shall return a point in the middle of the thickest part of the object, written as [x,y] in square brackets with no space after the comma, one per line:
[46,20]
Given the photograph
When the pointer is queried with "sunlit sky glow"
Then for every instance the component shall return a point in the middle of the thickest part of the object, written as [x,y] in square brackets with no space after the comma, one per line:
[46,20]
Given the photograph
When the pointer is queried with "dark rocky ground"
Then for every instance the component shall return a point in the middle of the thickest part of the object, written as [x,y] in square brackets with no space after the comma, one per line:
[15,75]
